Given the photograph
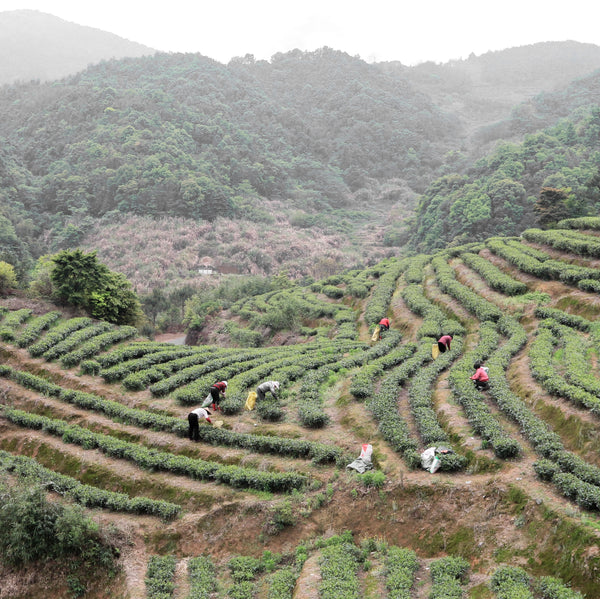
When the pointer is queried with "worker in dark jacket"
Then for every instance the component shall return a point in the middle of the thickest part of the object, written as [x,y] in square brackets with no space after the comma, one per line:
[217,392]
[193,420]
[444,343]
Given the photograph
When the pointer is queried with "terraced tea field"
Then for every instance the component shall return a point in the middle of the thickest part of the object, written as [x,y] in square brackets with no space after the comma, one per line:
[264,505]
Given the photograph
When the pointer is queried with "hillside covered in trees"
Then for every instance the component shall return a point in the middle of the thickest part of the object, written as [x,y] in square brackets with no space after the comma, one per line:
[264,504]
[274,153]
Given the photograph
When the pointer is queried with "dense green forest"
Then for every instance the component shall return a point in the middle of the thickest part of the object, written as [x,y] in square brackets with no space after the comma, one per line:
[184,135]
[368,159]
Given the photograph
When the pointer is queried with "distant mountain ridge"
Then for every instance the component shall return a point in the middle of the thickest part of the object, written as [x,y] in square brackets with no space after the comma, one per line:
[482,90]
[39,46]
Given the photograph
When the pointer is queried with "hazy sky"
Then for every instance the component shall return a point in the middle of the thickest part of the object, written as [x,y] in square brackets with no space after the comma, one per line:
[376,30]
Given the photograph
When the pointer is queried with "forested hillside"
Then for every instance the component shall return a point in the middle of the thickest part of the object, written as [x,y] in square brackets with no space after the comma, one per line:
[246,163]
[264,505]
[498,194]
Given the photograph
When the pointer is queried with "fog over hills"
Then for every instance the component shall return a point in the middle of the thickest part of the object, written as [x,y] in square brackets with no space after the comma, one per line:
[39,46]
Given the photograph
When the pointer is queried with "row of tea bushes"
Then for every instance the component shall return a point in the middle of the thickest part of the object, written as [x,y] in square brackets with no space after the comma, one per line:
[546,442]
[295,448]
[400,567]
[164,378]
[310,400]
[435,322]
[384,407]
[119,371]
[493,276]
[339,566]
[570,320]
[363,382]
[234,476]
[430,430]
[381,296]
[135,349]
[566,241]
[483,421]
[86,495]
[583,222]
[73,340]
[470,300]
[33,329]
[160,576]
[415,271]
[512,582]
[541,366]
[11,321]
[547,268]
[97,344]
[57,334]
[448,575]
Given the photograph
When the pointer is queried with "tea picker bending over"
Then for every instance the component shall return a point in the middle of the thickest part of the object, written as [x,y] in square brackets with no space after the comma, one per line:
[271,387]
[194,422]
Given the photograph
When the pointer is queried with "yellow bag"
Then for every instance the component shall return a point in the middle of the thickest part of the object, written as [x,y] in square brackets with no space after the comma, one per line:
[435,351]
[250,400]
[375,334]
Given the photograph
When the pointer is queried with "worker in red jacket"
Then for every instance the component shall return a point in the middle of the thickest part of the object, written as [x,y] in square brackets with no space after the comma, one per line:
[444,343]
[384,325]
[217,392]
[481,377]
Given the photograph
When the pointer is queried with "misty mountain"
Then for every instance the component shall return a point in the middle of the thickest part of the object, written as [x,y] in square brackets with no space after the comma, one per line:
[35,46]
[484,90]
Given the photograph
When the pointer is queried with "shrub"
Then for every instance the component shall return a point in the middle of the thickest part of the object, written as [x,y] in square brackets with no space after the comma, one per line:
[372,478]
[35,528]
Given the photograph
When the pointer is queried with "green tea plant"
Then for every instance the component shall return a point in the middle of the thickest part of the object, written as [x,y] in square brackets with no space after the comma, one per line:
[278,445]
[118,371]
[550,587]
[58,334]
[583,222]
[566,241]
[73,339]
[11,322]
[472,302]
[540,364]
[400,567]
[447,574]
[510,582]
[86,495]
[381,295]
[281,583]
[202,576]
[97,344]
[484,423]
[339,565]
[160,576]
